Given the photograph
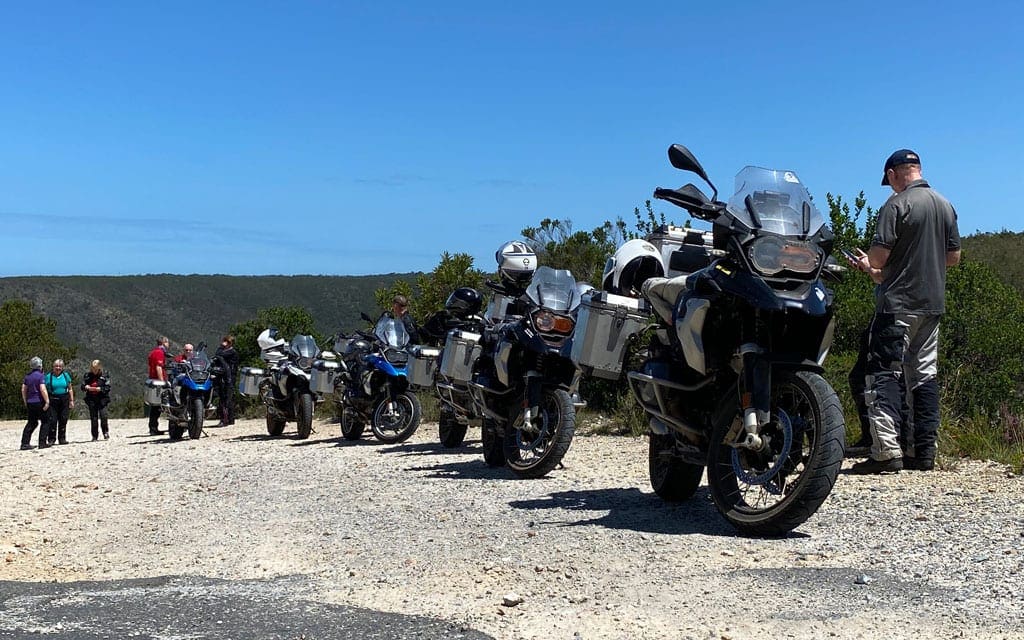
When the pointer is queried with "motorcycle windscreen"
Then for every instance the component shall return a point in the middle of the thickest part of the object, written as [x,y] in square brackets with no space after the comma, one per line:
[303,346]
[774,201]
[553,289]
[391,332]
[199,361]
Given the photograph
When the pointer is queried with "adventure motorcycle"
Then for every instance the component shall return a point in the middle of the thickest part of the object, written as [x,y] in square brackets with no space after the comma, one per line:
[731,379]
[188,395]
[373,386]
[524,384]
[285,386]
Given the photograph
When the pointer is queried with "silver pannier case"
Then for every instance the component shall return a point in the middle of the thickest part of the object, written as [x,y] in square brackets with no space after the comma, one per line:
[323,375]
[249,381]
[423,366]
[461,350]
[154,392]
[603,325]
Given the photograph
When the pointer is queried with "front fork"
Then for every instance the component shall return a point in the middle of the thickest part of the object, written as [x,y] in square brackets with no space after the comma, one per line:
[755,397]
[532,399]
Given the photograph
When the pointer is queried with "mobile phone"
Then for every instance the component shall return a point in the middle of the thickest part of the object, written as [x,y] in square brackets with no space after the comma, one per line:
[852,259]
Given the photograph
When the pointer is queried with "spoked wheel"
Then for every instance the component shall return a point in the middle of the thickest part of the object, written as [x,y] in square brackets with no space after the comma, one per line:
[772,492]
[531,451]
[275,425]
[351,424]
[493,444]
[452,433]
[304,414]
[396,421]
[671,478]
[195,418]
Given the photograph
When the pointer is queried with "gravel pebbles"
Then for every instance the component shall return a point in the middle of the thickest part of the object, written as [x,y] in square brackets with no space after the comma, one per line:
[588,552]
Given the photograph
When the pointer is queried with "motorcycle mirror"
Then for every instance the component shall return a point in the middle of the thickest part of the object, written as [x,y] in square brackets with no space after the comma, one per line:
[681,158]
[201,347]
[365,317]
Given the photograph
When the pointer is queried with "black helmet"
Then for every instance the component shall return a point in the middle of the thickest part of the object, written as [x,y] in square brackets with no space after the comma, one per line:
[464,302]
[356,347]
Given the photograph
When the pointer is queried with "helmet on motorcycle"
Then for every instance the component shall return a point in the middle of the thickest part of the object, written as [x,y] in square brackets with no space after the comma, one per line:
[516,262]
[464,302]
[633,263]
[268,339]
[356,347]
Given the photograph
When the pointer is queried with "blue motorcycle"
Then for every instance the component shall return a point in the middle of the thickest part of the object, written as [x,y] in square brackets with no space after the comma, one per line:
[373,386]
[188,397]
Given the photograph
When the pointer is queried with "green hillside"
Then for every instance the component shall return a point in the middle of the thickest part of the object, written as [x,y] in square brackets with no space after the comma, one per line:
[118,318]
[1002,251]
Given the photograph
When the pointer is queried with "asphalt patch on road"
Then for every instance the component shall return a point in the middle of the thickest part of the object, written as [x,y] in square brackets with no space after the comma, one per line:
[165,608]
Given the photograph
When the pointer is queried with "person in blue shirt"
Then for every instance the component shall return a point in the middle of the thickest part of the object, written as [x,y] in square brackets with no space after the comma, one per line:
[62,401]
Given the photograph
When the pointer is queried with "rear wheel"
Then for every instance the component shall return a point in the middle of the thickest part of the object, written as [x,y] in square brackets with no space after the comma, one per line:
[772,492]
[175,430]
[671,478]
[451,433]
[275,425]
[494,447]
[195,418]
[304,414]
[396,421]
[532,450]
[351,424]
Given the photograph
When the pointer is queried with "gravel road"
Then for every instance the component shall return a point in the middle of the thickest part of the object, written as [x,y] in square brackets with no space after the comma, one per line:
[589,552]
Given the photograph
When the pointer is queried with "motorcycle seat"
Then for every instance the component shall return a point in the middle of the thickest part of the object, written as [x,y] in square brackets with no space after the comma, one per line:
[662,293]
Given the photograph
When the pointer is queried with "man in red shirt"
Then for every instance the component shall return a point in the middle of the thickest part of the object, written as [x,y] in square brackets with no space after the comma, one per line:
[157,371]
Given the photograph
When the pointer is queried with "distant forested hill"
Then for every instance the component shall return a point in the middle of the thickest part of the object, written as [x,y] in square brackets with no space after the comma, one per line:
[1003,252]
[118,318]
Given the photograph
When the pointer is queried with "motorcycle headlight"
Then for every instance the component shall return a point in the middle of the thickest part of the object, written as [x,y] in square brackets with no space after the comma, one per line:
[772,254]
[547,322]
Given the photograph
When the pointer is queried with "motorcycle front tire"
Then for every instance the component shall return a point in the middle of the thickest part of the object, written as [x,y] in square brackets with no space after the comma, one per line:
[392,430]
[534,455]
[195,418]
[304,415]
[818,435]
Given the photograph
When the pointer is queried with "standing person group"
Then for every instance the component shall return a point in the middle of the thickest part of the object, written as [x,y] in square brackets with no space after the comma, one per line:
[916,239]
[49,399]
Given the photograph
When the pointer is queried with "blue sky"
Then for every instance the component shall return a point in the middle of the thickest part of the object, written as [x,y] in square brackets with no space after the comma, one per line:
[356,138]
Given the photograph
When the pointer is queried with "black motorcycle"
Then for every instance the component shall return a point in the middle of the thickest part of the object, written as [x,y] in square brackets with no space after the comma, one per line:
[373,386]
[732,377]
[524,383]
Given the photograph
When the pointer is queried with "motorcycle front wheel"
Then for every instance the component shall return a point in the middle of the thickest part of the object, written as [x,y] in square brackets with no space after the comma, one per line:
[195,418]
[398,422]
[772,492]
[531,451]
[304,414]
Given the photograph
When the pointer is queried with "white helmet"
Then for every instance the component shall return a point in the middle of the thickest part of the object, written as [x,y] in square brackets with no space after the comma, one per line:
[516,262]
[633,263]
[268,339]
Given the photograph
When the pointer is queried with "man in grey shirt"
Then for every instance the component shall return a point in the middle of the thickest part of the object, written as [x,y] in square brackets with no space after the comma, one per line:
[915,241]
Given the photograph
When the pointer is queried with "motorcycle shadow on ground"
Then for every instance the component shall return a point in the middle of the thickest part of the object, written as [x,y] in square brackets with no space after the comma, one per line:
[432,448]
[631,509]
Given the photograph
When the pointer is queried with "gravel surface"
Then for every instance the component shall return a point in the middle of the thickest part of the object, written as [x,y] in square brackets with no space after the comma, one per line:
[589,552]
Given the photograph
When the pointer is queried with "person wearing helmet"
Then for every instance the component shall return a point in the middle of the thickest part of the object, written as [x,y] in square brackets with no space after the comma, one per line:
[634,263]
[460,309]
